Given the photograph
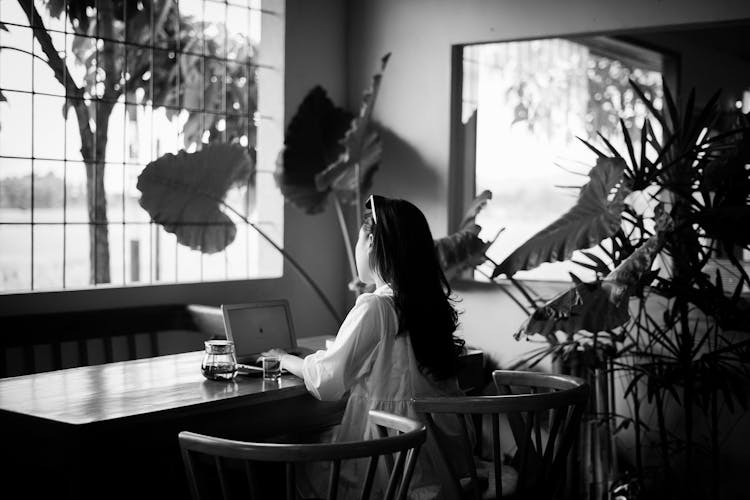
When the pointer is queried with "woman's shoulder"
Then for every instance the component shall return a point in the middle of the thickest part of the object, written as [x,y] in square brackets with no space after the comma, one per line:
[373,300]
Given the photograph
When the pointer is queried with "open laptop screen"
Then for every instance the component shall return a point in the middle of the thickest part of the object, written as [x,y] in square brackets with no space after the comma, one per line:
[258,327]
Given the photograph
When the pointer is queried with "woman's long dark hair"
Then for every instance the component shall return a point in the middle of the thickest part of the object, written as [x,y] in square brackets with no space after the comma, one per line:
[404,256]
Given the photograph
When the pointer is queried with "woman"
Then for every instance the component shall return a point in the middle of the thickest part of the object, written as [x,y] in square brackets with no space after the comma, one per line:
[395,344]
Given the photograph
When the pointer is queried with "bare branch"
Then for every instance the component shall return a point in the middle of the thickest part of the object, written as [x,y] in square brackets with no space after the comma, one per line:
[53,57]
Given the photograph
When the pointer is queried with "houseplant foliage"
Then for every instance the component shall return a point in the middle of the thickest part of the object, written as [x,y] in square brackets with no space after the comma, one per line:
[464,249]
[186,193]
[330,154]
[682,341]
[134,74]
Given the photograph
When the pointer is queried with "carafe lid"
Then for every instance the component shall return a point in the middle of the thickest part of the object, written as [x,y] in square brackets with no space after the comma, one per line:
[219,346]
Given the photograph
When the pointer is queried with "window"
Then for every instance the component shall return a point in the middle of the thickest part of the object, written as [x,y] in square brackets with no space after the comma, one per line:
[90,93]
[523,106]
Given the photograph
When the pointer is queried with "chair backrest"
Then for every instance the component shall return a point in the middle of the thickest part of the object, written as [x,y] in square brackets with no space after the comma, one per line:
[544,412]
[406,439]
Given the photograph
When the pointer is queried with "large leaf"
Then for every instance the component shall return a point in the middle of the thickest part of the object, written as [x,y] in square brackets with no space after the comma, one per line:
[594,217]
[586,306]
[361,147]
[600,305]
[464,249]
[311,144]
[185,192]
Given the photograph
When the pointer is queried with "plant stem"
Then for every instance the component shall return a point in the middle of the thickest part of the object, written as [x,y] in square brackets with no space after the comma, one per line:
[524,292]
[506,292]
[663,436]
[345,234]
[291,260]
[714,442]
[637,418]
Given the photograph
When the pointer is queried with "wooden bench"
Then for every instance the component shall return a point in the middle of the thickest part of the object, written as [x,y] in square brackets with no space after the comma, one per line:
[44,342]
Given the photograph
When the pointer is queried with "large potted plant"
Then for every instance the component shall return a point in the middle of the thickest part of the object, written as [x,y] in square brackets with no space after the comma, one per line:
[679,333]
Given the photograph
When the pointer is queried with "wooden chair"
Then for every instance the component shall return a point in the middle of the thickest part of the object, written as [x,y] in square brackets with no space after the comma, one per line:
[408,438]
[543,411]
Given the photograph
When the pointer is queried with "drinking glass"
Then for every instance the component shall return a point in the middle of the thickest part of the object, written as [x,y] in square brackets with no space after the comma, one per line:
[271,367]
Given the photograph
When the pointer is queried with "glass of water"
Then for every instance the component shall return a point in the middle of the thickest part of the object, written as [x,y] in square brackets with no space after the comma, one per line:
[271,367]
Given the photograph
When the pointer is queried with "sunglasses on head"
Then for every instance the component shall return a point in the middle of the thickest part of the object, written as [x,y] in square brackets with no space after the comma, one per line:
[371,205]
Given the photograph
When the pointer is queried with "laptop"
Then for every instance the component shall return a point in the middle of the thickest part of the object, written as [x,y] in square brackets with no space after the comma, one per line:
[259,326]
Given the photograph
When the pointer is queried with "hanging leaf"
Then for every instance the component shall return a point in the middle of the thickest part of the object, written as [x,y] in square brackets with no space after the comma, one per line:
[55,7]
[345,184]
[184,193]
[361,146]
[595,216]
[464,249]
[311,144]
[584,307]
[601,305]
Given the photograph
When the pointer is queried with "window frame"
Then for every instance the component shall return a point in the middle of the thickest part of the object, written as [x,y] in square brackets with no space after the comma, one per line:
[270,139]
[462,141]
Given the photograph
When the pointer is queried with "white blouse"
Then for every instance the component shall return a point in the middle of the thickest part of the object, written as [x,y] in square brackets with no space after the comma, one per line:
[379,369]
[330,373]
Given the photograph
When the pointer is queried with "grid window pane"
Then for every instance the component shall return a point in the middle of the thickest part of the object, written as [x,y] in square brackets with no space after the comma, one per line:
[164,256]
[117,253]
[15,191]
[48,256]
[113,183]
[16,140]
[188,264]
[11,12]
[52,23]
[15,257]
[77,262]
[45,80]
[15,62]
[139,80]
[49,191]
[75,193]
[214,95]
[137,250]
[215,266]
[49,127]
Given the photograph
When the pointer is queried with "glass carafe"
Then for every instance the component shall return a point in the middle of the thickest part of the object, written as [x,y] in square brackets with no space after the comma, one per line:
[219,361]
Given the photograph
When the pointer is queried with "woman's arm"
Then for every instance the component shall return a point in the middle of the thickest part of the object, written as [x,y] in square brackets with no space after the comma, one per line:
[292,364]
[329,373]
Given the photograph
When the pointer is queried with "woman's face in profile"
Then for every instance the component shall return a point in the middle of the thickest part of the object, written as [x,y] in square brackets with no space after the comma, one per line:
[362,256]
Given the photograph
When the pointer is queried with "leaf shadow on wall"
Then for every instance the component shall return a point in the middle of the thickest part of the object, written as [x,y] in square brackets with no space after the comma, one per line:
[404,173]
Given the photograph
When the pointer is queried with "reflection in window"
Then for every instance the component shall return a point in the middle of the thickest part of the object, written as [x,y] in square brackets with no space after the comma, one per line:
[93,94]
[524,106]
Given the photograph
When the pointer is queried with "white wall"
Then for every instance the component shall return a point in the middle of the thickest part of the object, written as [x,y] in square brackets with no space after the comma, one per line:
[315,41]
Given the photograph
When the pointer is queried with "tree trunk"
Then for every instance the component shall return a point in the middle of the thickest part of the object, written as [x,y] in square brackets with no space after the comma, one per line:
[93,145]
[97,199]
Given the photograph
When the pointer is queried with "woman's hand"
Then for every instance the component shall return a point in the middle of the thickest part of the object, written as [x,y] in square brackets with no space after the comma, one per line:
[274,352]
[289,362]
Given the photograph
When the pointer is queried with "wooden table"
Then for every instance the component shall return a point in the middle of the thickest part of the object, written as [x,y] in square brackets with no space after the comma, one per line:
[110,431]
